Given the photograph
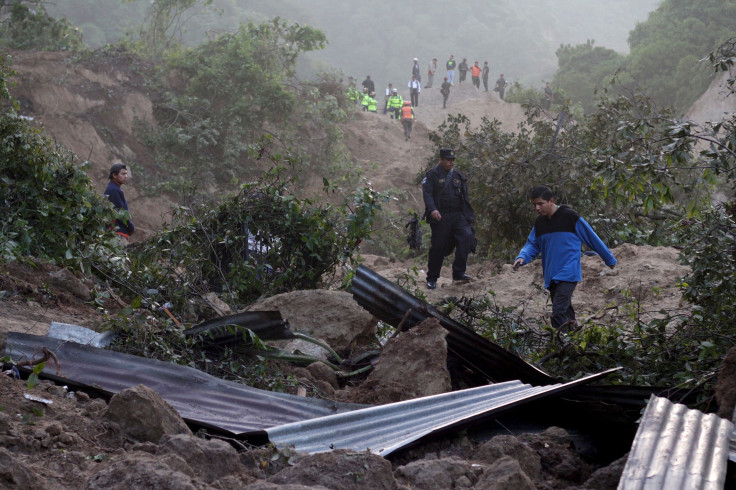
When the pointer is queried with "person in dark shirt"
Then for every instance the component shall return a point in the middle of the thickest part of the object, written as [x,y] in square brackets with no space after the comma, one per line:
[368,84]
[448,211]
[500,86]
[463,69]
[558,235]
[445,91]
[118,176]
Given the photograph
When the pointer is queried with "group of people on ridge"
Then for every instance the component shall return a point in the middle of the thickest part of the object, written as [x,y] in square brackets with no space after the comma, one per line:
[403,110]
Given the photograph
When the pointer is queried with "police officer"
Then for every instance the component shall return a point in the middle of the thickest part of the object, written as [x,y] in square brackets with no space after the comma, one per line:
[448,211]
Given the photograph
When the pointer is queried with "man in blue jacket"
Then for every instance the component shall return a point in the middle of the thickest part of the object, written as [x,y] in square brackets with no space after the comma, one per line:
[118,176]
[558,234]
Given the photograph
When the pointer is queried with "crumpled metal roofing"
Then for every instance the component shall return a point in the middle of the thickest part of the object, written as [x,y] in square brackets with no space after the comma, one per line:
[197,396]
[386,428]
[676,447]
[389,302]
[267,325]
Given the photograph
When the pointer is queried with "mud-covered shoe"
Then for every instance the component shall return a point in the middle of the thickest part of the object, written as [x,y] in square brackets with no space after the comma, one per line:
[462,279]
[431,284]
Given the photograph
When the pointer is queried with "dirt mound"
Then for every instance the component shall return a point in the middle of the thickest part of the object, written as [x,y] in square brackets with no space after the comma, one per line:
[643,283]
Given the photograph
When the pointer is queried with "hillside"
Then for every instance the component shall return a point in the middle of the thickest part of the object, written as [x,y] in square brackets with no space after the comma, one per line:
[91,107]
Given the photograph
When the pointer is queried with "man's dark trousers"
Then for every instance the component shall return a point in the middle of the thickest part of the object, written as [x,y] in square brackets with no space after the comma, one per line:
[562,311]
[453,224]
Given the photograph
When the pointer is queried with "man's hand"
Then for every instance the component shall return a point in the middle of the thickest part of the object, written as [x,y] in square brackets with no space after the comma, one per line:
[518,263]
[436,215]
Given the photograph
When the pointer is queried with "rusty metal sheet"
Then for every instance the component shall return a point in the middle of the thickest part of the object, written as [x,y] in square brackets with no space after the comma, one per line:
[390,303]
[198,397]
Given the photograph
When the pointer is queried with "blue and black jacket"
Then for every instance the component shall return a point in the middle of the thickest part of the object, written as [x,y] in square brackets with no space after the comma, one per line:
[559,240]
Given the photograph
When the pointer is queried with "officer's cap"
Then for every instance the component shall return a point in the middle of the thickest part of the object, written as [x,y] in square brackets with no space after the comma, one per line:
[447,153]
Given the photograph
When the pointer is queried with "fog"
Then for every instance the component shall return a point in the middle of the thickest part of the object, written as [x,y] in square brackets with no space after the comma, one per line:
[380,38]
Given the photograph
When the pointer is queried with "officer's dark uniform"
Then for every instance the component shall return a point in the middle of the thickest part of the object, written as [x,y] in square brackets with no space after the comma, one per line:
[450,198]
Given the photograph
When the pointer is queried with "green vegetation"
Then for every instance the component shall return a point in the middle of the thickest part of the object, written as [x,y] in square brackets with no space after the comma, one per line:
[635,172]
[258,242]
[49,207]
[664,55]
[234,100]
[380,38]
[34,29]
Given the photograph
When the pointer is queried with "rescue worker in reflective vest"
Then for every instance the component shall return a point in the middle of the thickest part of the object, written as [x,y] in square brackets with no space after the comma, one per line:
[395,102]
[448,211]
[475,73]
[372,104]
[353,94]
[407,119]
[364,100]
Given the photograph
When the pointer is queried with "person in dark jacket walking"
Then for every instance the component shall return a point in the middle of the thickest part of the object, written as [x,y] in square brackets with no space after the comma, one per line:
[445,91]
[500,86]
[484,74]
[558,235]
[118,176]
[415,70]
[448,211]
[463,69]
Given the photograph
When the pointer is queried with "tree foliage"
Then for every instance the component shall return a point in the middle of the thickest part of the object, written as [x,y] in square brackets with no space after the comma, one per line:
[638,174]
[616,166]
[50,209]
[33,29]
[227,102]
[258,242]
[664,55]
[584,68]
[517,39]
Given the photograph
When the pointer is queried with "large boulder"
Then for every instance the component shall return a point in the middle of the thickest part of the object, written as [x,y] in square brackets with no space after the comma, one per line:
[210,460]
[15,474]
[439,474]
[339,469]
[558,455]
[332,316]
[508,445]
[607,478]
[143,415]
[504,474]
[412,365]
[143,470]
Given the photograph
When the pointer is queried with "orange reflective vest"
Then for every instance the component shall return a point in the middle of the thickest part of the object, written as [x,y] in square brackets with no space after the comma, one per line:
[407,112]
[476,71]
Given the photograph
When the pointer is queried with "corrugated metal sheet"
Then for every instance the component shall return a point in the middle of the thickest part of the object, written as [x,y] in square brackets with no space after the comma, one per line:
[386,428]
[676,447]
[267,325]
[389,303]
[198,397]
